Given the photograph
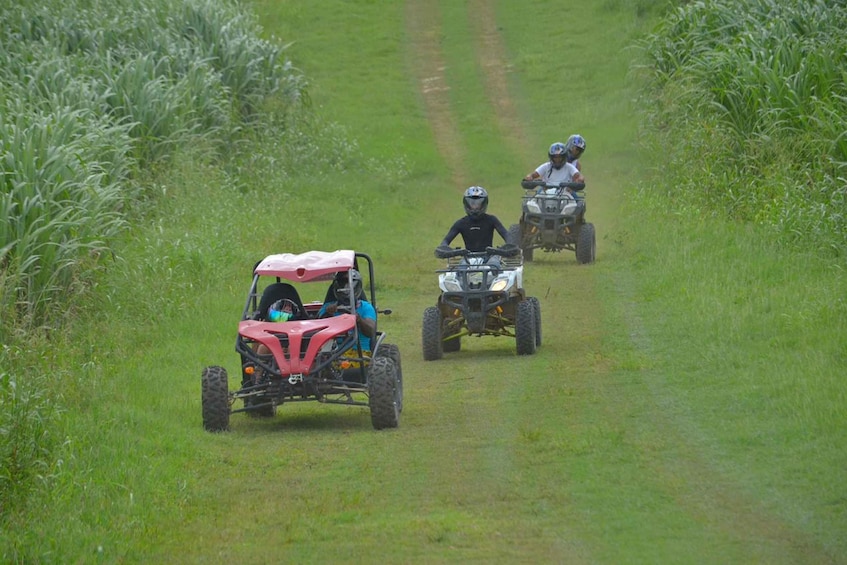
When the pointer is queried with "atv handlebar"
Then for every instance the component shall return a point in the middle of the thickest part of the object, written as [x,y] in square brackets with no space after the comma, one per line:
[533,184]
[444,252]
[508,250]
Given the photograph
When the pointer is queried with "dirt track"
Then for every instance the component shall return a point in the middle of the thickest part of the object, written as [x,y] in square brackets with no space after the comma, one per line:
[670,460]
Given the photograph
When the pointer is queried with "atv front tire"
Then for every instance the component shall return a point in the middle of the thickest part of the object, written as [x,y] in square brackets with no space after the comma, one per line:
[525,328]
[536,304]
[433,348]
[215,399]
[516,237]
[384,394]
[586,244]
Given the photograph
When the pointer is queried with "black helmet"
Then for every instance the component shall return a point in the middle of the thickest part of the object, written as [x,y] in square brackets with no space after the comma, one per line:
[475,201]
[557,150]
[342,285]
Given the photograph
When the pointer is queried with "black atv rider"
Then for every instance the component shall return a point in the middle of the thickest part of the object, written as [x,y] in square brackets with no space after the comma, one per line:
[476,227]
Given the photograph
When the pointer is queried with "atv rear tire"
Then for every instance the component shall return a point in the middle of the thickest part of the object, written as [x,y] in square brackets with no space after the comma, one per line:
[383,394]
[586,244]
[433,348]
[536,304]
[215,399]
[525,328]
[391,351]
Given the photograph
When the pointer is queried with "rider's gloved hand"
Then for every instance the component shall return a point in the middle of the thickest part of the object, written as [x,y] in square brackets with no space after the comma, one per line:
[442,250]
[509,249]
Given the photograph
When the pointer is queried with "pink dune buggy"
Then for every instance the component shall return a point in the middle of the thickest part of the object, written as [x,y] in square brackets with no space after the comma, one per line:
[298,356]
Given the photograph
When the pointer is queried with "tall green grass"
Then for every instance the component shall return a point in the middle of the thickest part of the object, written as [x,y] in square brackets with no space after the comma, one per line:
[97,101]
[750,98]
[93,95]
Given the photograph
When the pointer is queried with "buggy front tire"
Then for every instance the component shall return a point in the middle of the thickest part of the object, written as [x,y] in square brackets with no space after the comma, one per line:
[384,394]
[215,399]
[433,347]
[391,351]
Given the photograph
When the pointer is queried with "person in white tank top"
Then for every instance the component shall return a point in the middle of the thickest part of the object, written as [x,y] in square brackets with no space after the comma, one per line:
[556,169]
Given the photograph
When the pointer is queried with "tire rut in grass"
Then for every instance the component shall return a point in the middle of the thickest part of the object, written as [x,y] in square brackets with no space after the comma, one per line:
[473,460]
[424,25]
[697,488]
[493,61]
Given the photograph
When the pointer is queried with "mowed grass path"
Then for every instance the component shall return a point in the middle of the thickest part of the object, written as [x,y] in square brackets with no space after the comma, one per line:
[575,454]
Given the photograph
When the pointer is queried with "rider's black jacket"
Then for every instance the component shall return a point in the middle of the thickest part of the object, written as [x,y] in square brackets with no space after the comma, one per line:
[477,233]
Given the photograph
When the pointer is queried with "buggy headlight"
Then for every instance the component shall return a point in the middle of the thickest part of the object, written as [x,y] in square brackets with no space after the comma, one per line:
[533,207]
[499,284]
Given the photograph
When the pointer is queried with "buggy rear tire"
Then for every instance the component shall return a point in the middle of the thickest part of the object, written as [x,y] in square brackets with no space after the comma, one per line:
[391,351]
[215,399]
[536,305]
[384,394]
[525,328]
[433,348]
[586,244]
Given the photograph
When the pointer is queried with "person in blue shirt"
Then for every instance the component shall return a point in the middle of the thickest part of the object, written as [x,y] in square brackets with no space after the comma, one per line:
[342,286]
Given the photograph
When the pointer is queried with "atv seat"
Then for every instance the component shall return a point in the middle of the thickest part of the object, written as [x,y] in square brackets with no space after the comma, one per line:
[281,291]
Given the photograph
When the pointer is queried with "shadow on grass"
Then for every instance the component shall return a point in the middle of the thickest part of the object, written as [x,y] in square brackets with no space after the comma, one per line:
[321,417]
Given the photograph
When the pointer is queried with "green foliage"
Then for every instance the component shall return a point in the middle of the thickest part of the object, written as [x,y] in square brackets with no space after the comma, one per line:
[28,442]
[687,404]
[751,98]
[92,96]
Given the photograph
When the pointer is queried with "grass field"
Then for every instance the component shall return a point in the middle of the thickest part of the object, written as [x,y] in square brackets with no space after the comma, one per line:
[686,405]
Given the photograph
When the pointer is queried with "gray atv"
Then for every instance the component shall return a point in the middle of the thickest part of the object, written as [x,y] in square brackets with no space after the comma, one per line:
[553,220]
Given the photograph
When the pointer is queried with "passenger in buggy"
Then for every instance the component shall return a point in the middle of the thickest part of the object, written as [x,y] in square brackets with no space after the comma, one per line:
[339,294]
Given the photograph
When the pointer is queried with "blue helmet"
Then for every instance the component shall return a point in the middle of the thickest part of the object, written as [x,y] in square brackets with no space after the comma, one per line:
[281,311]
[575,146]
[475,201]
[557,150]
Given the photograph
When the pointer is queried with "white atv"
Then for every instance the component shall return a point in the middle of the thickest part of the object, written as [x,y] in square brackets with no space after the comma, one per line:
[481,294]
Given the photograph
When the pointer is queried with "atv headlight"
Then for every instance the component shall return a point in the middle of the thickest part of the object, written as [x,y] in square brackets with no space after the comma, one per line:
[569,208]
[500,284]
[452,285]
[533,207]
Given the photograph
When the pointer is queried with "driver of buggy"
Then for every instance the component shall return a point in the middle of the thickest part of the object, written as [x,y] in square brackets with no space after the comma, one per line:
[339,294]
